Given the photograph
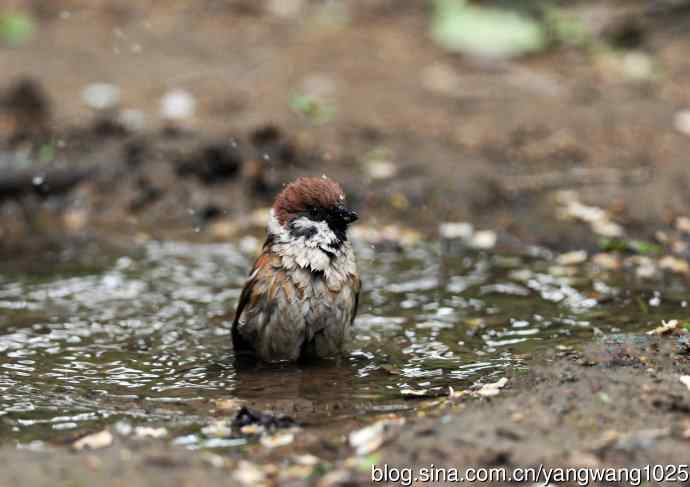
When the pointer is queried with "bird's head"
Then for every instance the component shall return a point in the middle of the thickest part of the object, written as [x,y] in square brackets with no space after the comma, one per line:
[313,209]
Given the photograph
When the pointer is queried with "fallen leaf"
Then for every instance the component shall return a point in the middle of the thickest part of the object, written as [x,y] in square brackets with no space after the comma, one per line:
[483,31]
[252,429]
[493,388]
[674,264]
[607,261]
[456,230]
[148,432]
[414,392]
[227,404]
[683,224]
[665,328]
[484,240]
[307,459]
[572,258]
[370,438]
[217,429]
[453,394]
[94,441]
[517,417]
[275,441]
[248,474]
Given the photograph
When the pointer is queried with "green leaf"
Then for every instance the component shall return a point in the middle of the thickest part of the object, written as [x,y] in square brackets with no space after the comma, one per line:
[646,248]
[566,28]
[635,246]
[46,153]
[316,110]
[16,28]
[483,31]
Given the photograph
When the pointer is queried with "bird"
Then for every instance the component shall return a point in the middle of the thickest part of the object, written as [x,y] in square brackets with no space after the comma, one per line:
[301,297]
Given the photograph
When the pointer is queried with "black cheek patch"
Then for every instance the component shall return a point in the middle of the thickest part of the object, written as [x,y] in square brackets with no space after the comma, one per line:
[307,232]
[340,232]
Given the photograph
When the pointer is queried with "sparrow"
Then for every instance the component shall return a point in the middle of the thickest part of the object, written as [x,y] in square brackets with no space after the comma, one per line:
[301,296]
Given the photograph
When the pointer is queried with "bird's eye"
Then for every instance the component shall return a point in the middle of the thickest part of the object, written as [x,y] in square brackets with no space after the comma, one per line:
[314,212]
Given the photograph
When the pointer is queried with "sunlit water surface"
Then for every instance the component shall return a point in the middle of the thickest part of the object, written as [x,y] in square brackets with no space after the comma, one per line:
[146,338]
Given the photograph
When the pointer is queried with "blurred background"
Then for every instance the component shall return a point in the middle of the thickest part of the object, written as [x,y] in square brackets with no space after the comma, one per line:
[184,118]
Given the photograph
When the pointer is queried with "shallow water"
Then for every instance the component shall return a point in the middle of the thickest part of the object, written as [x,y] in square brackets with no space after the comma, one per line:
[145,338]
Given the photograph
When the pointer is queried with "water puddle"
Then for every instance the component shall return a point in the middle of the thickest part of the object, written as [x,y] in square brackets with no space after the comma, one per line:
[146,339]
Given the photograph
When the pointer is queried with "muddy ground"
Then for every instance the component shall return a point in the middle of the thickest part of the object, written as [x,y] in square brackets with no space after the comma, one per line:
[486,142]
[619,403]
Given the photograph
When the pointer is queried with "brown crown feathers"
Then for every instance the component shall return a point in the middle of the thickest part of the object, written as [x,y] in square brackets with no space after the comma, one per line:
[306,192]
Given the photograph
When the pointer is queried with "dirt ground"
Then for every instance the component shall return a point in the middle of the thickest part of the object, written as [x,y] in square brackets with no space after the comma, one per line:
[617,404]
[486,142]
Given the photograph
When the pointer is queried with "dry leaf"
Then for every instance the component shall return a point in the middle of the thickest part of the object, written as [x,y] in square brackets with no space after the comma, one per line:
[674,264]
[94,441]
[275,441]
[572,258]
[665,328]
[414,392]
[227,404]
[492,389]
[370,438]
[147,432]
[248,474]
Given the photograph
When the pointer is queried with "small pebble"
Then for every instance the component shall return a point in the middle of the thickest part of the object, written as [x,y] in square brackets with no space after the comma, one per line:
[177,105]
[101,96]
[638,66]
[452,231]
[381,169]
[683,222]
[681,121]
[484,239]
[132,119]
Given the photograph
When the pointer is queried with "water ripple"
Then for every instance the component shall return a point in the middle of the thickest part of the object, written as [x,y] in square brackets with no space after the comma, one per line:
[147,338]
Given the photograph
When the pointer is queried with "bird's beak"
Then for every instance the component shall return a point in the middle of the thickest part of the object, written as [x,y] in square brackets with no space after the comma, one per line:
[347,215]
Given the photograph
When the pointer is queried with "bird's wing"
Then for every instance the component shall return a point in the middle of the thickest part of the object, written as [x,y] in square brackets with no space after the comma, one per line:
[253,290]
[357,287]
